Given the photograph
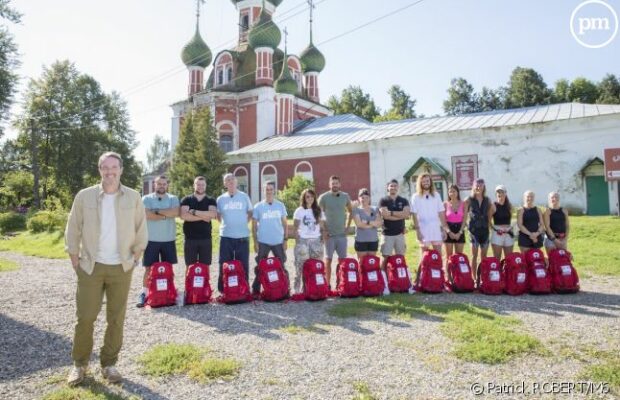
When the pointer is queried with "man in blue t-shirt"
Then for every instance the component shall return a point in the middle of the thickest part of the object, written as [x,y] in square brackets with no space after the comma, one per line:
[269,229]
[161,210]
[234,211]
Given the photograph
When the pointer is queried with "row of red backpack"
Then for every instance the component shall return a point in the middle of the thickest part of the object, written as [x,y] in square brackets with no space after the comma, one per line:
[516,274]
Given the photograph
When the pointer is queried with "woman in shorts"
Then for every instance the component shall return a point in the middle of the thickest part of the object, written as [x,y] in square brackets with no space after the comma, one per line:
[367,219]
[530,222]
[556,224]
[502,235]
[479,214]
[455,218]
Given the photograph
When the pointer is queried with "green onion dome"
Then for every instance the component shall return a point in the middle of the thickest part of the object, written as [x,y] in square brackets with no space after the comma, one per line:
[265,33]
[274,2]
[285,83]
[312,60]
[196,52]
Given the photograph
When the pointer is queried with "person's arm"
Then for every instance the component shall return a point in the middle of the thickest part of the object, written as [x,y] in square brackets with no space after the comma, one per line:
[285,238]
[152,216]
[296,223]
[186,215]
[490,213]
[73,232]
[522,228]
[541,225]
[142,237]
[465,216]
[349,208]
[206,215]
[358,221]
[404,214]
[547,222]
[378,222]
[386,214]
[567,224]
[324,234]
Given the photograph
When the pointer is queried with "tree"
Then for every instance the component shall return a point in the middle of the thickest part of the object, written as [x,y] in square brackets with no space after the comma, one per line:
[583,90]
[402,106]
[16,189]
[526,88]
[461,98]
[68,121]
[489,99]
[158,153]
[8,61]
[609,90]
[560,92]
[197,153]
[291,192]
[354,101]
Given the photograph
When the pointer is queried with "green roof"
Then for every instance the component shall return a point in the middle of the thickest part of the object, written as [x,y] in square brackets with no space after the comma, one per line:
[432,164]
[312,60]
[265,33]
[285,83]
[196,52]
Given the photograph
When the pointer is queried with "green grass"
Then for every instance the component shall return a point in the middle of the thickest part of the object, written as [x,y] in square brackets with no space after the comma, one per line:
[363,392]
[90,389]
[8,265]
[45,244]
[479,334]
[606,369]
[594,244]
[175,359]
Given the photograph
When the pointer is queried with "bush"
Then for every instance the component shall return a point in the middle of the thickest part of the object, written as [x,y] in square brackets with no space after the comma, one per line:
[292,191]
[47,221]
[12,222]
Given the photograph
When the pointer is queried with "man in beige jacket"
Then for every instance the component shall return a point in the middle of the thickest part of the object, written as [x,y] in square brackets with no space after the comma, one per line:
[105,236]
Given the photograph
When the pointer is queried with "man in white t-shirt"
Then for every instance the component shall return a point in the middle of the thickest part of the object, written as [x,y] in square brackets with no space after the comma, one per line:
[428,214]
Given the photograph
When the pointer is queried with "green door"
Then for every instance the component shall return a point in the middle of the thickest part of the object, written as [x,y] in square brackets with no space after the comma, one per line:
[439,188]
[598,196]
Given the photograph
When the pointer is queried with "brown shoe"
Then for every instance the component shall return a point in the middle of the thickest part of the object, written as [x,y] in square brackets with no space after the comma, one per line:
[76,375]
[111,374]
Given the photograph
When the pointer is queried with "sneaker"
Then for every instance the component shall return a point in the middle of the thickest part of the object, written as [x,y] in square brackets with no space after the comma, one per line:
[141,300]
[111,374]
[76,375]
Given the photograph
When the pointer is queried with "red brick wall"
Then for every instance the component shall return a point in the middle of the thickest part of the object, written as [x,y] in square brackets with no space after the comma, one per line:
[247,126]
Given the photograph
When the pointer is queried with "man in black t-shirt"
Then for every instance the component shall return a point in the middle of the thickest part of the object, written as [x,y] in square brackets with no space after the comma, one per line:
[197,211]
[395,210]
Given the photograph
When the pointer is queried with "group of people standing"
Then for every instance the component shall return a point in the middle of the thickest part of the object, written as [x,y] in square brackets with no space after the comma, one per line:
[109,229]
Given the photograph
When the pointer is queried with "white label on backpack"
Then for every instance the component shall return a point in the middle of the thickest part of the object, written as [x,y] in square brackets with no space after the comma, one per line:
[494,276]
[464,268]
[566,270]
[518,260]
[320,279]
[162,285]
[540,273]
[402,273]
[352,276]
[233,281]
[372,276]
[521,277]
[371,261]
[272,276]
[435,274]
[199,281]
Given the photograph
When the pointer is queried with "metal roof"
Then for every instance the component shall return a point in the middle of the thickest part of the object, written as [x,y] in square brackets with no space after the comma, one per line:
[348,128]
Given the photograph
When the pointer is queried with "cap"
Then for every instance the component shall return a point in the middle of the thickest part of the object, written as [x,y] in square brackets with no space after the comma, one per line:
[500,188]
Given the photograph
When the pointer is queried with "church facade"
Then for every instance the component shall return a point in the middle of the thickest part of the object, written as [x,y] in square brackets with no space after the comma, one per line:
[270,121]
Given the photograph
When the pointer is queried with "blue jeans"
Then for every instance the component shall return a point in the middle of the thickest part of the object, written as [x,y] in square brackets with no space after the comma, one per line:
[234,249]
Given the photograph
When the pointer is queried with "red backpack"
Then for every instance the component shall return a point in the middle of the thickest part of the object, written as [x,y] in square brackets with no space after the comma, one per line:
[490,276]
[538,277]
[372,279]
[459,274]
[515,272]
[197,286]
[236,289]
[273,279]
[315,282]
[162,292]
[348,278]
[398,274]
[430,274]
[564,276]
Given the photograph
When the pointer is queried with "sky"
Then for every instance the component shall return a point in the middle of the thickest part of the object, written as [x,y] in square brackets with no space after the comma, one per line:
[133,46]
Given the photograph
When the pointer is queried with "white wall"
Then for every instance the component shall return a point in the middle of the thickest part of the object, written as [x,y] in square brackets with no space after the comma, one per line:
[539,157]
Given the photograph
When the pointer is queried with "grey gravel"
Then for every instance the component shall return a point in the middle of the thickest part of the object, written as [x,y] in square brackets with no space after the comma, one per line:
[396,359]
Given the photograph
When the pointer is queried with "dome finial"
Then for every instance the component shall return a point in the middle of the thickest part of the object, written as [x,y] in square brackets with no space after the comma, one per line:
[312,6]
[196,52]
[285,83]
[198,3]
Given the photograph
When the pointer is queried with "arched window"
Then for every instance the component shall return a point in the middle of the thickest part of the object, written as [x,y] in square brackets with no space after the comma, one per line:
[229,74]
[304,169]
[242,179]
[220,77]
[269,173]
[226,143]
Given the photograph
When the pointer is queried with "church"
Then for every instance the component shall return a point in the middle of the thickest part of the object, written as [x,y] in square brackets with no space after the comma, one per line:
[270,121]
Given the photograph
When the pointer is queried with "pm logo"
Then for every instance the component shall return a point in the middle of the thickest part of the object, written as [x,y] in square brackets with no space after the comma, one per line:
[594,24]
[161,269]
[198,270]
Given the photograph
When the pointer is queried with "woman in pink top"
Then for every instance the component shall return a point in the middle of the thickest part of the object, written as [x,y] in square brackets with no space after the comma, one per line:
[456,214]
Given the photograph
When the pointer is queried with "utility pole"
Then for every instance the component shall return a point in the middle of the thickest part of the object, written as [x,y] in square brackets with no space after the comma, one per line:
[35,165]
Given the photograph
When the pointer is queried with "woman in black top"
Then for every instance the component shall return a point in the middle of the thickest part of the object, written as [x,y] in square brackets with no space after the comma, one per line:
[502,235]
[479,216]
[556,224]
[530,221]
